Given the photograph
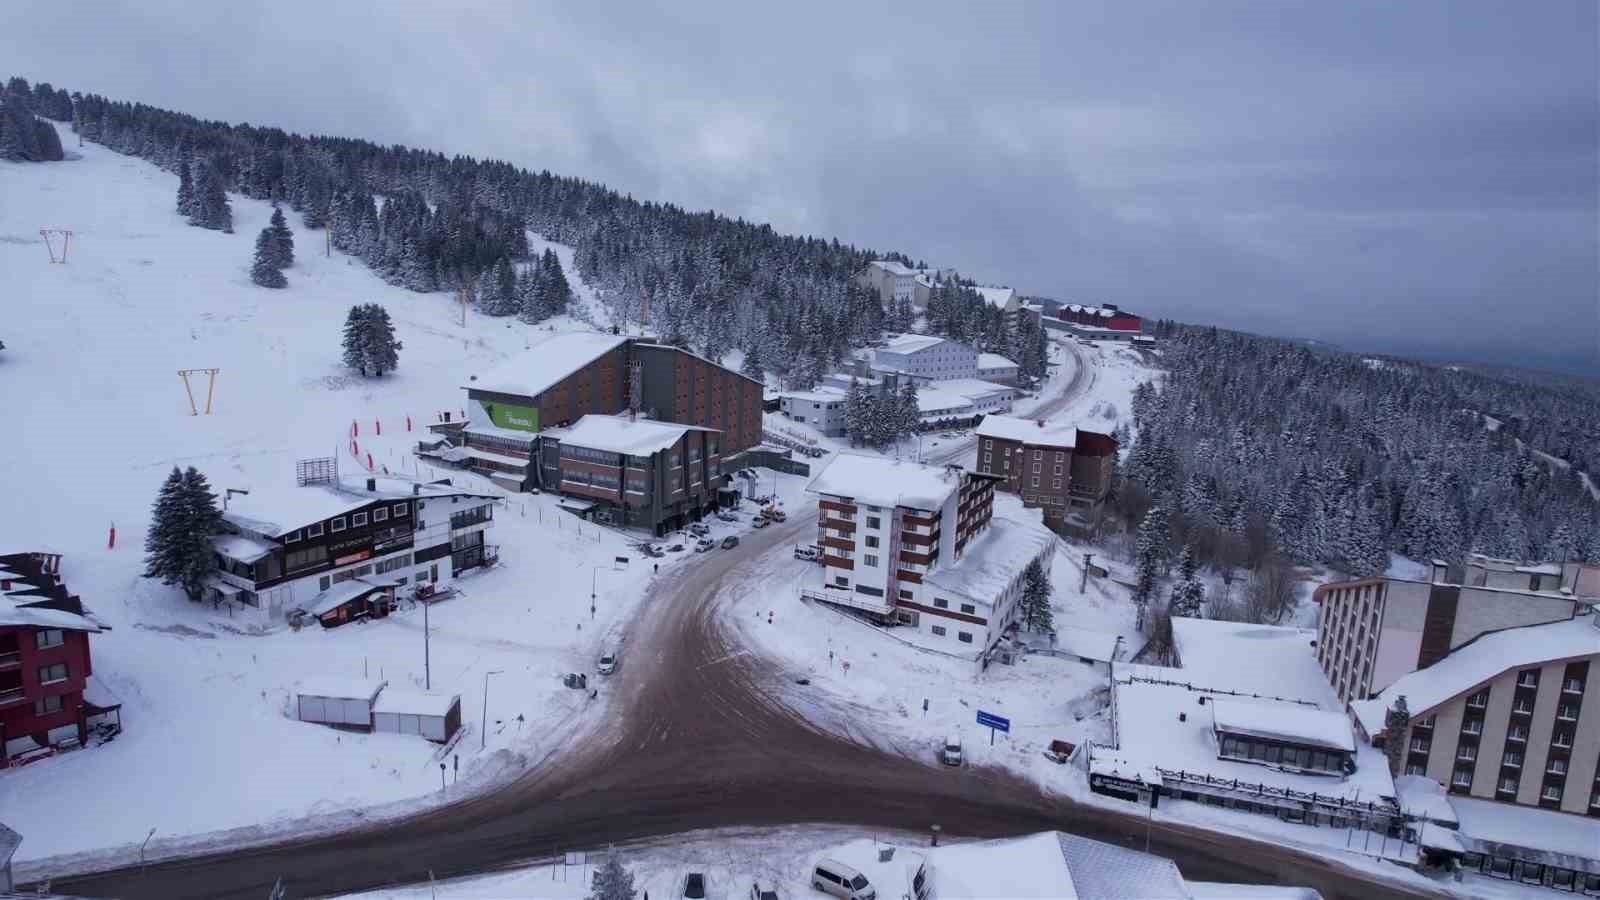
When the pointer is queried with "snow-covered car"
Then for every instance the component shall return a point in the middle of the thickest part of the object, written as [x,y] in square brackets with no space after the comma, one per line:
[704,544]
[763,890]
[607,664]
[675,548]
[727,517]
[950,752]
[807,552]
[760,522]
[699,529]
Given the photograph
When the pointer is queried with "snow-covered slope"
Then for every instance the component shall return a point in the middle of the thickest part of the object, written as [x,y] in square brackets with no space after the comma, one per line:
[96,417]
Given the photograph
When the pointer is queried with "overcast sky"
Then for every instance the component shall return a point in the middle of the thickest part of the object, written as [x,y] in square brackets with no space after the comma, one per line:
[1408,177]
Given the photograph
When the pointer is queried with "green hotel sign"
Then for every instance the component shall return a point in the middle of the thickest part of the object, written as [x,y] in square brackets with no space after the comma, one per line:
[508,415]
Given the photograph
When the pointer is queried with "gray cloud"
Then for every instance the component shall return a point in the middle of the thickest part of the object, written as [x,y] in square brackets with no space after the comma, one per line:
[1417,176]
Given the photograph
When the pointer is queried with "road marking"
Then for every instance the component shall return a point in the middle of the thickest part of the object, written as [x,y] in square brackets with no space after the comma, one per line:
[723,659]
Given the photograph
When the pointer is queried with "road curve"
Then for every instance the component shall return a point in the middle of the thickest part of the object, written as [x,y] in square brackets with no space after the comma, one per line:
[698,737]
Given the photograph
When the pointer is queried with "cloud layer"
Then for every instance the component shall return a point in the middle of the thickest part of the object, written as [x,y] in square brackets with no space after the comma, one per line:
[1417,177]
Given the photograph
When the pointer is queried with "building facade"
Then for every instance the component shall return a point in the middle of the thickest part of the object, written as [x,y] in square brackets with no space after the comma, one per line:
[927,358]
[912,543]
[1061,469]
[1106,316]
[636,473]
[1372,631]
[996,368]
[1510,717]
[569,376]
[44,657]
[285,550]
[823,409]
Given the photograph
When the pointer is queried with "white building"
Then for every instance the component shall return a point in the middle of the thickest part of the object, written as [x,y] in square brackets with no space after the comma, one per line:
[996,368]
[823,408]
[962,398]
[289,545]
[919,545]
[926,357]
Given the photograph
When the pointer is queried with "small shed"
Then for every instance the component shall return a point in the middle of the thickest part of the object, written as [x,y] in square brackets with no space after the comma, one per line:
[340,702]
[435,716]
[347,601]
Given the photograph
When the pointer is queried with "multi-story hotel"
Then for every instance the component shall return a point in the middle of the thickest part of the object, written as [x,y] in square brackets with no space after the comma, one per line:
[1062,469]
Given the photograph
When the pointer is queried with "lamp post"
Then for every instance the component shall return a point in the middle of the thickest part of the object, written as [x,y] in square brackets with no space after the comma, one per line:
[483,737]
[594,587]
[142,846]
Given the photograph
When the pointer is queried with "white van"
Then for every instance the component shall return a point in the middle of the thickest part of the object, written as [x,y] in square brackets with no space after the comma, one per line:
[836,878]
[950,753]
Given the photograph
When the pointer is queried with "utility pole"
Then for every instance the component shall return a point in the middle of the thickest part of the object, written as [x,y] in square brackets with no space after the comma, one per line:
[1083,584]
[427,667]
[483,735]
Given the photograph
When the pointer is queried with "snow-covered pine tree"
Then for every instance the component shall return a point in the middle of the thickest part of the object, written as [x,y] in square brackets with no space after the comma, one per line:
[185,189]
[751,366]
[1396,719]
[282,239]
[1150,555]
[556,292]
[355,338]
[379,345]
[161,540]
[612,881]
[264,271]
[178,545]
[210,204]
[1036,613]
[1188,595]
[907,412]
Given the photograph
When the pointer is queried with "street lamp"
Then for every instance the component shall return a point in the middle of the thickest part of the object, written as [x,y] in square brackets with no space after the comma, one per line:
[142,846]
[594,587]
[483,737]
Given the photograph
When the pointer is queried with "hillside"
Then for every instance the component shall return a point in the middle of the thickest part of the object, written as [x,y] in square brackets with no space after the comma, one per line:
[99,417]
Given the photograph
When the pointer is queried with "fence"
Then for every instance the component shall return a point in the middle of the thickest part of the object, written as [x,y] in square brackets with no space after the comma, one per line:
[1205,690]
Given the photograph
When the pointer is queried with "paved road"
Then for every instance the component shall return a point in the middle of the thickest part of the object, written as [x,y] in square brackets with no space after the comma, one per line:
[1083,378]
[698,737]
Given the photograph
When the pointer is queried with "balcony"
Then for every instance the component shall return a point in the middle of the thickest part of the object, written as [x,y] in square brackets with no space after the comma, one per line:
[837,524]
[845,597]
[11,695]
[10,659]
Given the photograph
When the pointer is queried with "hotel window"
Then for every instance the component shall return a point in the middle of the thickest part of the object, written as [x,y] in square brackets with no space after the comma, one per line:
[358,520]
[874,522]
[1035,482]
[1478,700]
[964,636]
[1551,792]
[1055,484]
[1419,745]
[872,540]
[1528,679]
[1562,739]
[841,581]
[380,514]
[46,705]
[1512,759]
[988,444]
[986,460]
[938,630]
[1467,752]
[1557,767]
[1038,454]
[1567,712]
[941,603]
[314,530]
[47,638]
[52,673]
[870,559]
[1472,726]
[291,537]
[905,593]
[1508,785]
[338,525]
[1035,468]
[1462,778]
[1517,733]
[968,608]
[1573,686]
[1416,769]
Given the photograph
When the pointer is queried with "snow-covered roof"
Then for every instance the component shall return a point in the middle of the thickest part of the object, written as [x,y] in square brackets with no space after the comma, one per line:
[241,548]
[932,400]
[911,343]
[822,394]
[1028,431]
[504,459]
[993,559]
[1423,797]
[342,593]
[9,842]
[415,703]
[1516,825]
[878,481]
[278,510]
[1100,646]
[972,388]
[994,361]
[19,610]
[1102,870]
[1287,722]
[618,434]
[339,688]
[544,365]
[1270,660]
[1020,869]
[996,296]
[1478,661]
[1541,569]
[897,268]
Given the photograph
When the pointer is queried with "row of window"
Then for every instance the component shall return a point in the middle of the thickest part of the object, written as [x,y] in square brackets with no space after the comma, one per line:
[1242,748]
[964,637]
[1531,873]
[967,608]
[357,520]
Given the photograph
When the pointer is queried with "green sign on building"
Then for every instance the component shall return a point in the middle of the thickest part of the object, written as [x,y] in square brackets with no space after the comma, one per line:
[509,415]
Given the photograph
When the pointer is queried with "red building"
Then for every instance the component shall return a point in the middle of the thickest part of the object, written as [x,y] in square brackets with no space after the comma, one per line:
[44,658]
[1105,316]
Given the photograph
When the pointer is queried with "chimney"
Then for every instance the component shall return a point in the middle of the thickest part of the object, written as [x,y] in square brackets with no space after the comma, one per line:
[416,489]
[372,485]
[1039,422]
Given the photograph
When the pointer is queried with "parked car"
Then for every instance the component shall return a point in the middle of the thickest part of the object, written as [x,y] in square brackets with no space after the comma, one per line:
[727,517]
[807,552]
[675,548]
[607,665]
[704,544]
[763,890]
[950,752]
[760,522]
[699,529]
[775,514]
[730,542]
[836,878]
[694,886]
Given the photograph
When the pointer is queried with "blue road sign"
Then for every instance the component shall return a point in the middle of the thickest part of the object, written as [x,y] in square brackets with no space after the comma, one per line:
[990,720]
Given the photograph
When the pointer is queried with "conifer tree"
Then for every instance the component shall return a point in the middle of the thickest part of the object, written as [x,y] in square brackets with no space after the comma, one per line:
[264,271]
[1036,613]
[1149,559]
[185,189]
[1188,595]
[209,207]
[355,338]
[1396,719]
[612,881]
[178,544]
[282,239]
[380,347]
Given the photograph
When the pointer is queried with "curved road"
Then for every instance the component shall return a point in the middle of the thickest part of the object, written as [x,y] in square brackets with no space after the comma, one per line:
[698,737]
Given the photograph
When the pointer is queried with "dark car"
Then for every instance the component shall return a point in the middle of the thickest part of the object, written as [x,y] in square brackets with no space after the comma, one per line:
[730,542]
[694,886]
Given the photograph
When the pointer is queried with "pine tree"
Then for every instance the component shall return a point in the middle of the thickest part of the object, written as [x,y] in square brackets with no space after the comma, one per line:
[178,544]
[1150,556]
[1188,595]
[907,416]
[209,207]
[1036,613]
[282,240]
[379,345]
[1395,722]
[612,881]
[185,190]
[355,338]
[264,271]
[556,293]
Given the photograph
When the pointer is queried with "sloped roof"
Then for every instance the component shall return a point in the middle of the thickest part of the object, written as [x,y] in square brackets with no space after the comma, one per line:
[1283,722]
[619,434]
[544,365]
[1028,431]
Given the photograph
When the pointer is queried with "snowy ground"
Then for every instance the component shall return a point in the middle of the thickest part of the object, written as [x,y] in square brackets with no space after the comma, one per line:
[204,693]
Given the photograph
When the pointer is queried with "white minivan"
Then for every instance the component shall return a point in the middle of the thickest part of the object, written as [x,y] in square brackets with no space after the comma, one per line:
[836,878]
